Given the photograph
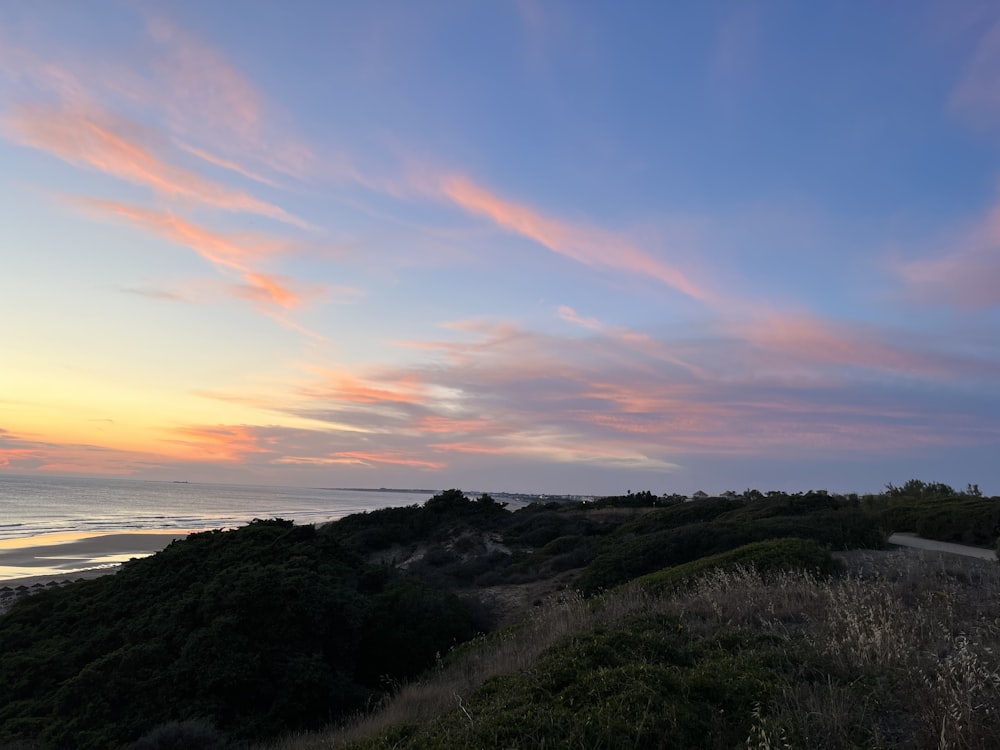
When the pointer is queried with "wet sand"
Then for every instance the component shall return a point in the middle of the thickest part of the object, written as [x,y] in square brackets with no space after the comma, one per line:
[57,557]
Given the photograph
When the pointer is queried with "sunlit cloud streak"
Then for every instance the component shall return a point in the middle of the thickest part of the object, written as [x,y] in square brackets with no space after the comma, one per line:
[209,98]
[225,164]
[112,145]
[968,280]
[30,453]
[226,443]
[960,268]
[804,340]
[589,401]
[359,458]
[589,245]
[233,252]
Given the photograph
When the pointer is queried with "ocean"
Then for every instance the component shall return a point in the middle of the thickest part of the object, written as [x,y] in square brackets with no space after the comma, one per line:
[32,506]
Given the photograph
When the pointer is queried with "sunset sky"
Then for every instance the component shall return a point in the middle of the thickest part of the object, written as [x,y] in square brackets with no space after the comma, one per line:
[523,245]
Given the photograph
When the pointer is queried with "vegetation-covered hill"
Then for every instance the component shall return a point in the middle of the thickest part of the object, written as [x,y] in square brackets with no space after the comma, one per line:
[260,630]
[228,638]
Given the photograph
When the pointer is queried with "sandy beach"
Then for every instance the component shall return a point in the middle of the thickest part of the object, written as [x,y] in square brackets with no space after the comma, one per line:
[57,557]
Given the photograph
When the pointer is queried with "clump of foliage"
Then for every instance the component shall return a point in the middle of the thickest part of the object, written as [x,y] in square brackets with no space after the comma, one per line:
[765,557]
[644,499]
[937,511]
[907,656]
[440,518]
[651,544]
[409,626]
[635,685]
[275,628]
[261,630]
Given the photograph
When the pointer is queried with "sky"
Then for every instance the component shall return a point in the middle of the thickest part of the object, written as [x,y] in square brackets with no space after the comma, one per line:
[509,245]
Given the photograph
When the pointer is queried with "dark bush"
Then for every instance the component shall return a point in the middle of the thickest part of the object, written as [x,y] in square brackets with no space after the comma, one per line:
[258,630]
[621,560]
[410,625]
[766,557]
[194,734]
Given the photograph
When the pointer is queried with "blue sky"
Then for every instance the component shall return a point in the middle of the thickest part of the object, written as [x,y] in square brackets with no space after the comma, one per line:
[533,246]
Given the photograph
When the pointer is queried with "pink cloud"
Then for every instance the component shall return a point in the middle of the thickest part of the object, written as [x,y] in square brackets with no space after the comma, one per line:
[203,81]
[559,449]
[227,443]
[814,342]
[113,146]
[361,458]
[233,252]
[570,316]
[269,288]
[20,452]
[228,164]
[210,98]
[367,458]
[967,276]
[589,245]
[433,424]
[345,387]
[230,251]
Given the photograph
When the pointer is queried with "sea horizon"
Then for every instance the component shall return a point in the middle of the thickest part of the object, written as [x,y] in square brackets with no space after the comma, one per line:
[31,505]
[44,521]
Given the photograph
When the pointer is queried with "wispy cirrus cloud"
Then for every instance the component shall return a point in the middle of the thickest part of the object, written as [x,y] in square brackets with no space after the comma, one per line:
[960,268]
[208,98]
[966,279]
[239,252]
[362,458]
[965,276]
[802,340]
[112,145]
[590,245]
[232,166]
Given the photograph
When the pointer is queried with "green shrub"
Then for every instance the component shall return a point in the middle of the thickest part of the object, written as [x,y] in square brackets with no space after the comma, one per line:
[410,625]
[646,683]
[621,560]
[679,514]
[767,556]
[258,629]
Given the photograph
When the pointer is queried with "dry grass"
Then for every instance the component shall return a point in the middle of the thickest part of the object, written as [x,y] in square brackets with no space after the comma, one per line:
[501,653]
[908,643]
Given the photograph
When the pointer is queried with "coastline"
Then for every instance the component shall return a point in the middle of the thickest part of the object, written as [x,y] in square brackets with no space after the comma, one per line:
[58,557]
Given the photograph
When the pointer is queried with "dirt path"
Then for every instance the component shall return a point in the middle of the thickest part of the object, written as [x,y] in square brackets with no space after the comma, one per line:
[912,540]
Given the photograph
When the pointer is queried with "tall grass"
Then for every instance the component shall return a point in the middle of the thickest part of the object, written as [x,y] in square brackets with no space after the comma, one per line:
[464,671]
[902,652]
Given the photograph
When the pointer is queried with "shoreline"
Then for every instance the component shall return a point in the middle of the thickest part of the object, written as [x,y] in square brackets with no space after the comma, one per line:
[58,557]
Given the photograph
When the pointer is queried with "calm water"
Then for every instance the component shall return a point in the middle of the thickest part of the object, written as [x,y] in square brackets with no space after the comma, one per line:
[30,506]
